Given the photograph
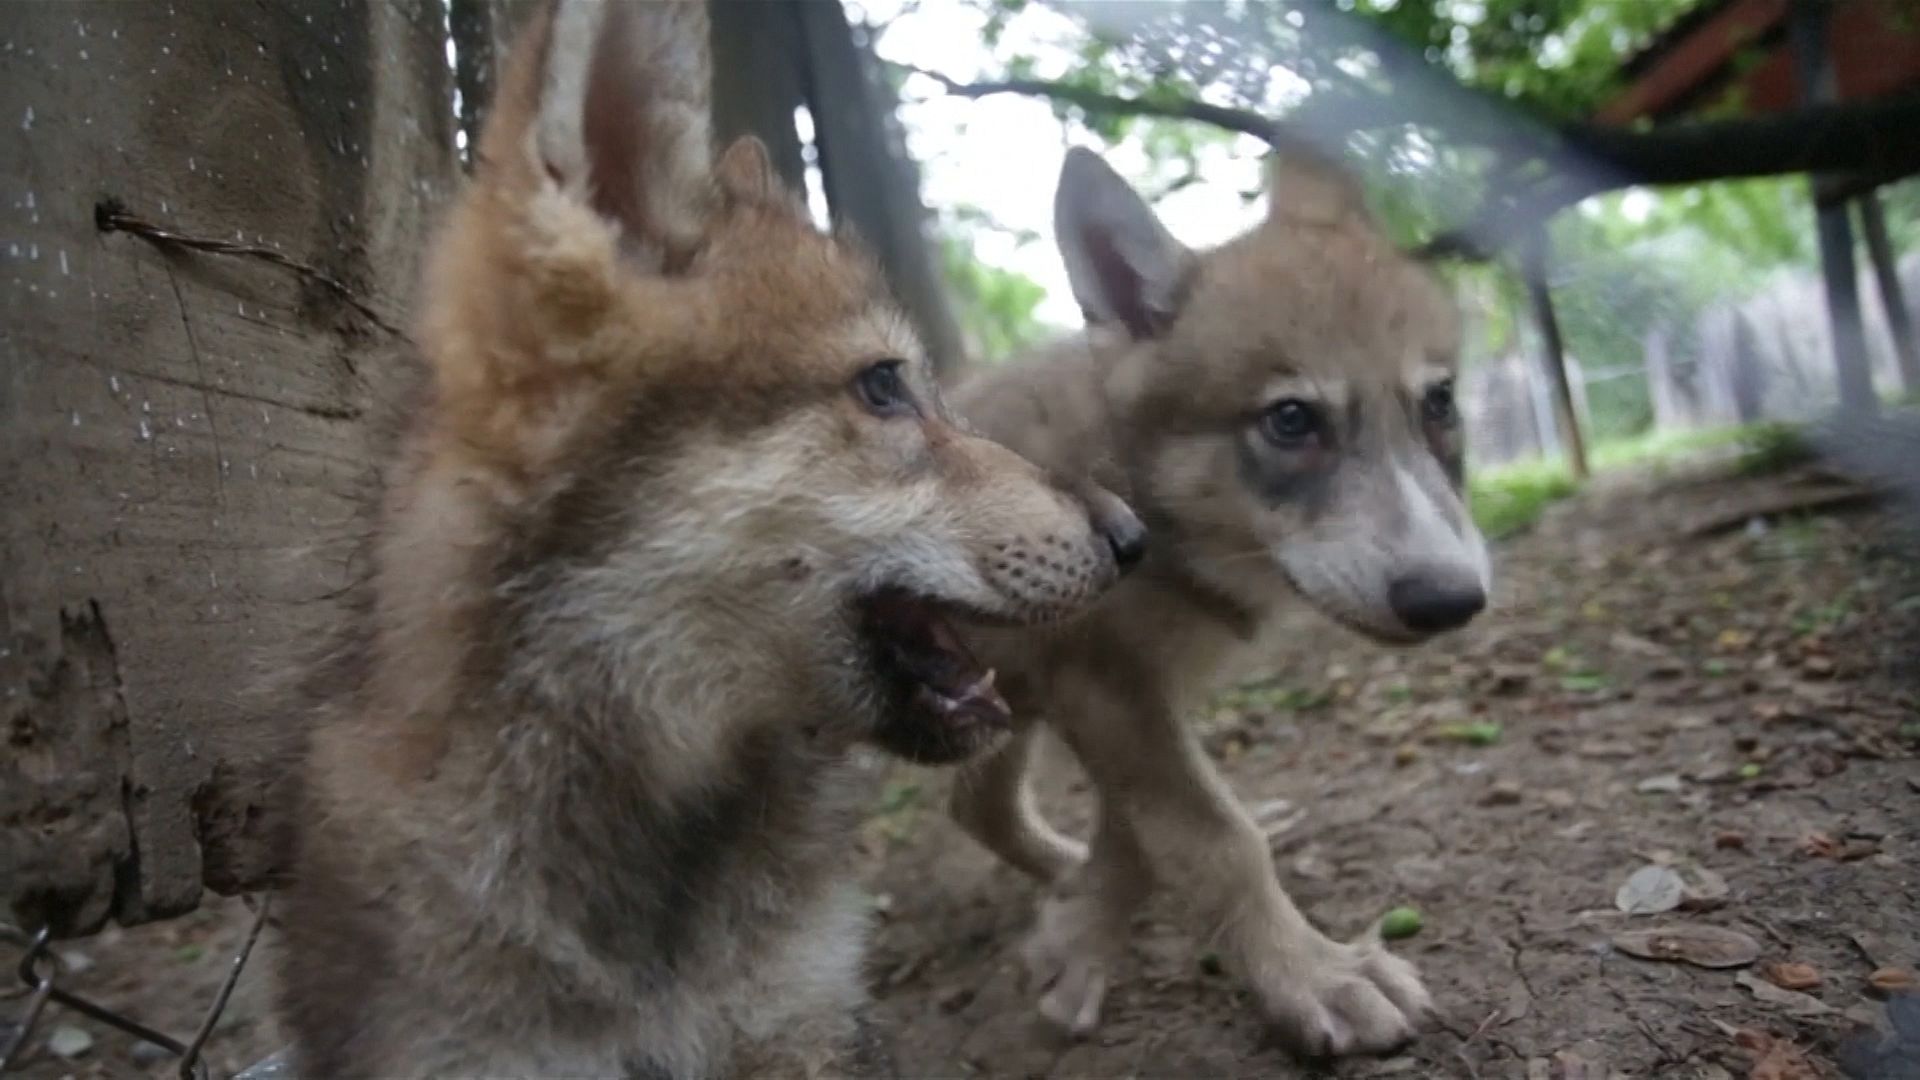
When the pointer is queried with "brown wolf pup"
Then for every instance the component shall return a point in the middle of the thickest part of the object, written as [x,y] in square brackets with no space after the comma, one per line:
[1280,412]
[681,524]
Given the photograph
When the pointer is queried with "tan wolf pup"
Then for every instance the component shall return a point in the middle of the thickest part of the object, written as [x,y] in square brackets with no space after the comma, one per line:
[1279,410]
[681,524]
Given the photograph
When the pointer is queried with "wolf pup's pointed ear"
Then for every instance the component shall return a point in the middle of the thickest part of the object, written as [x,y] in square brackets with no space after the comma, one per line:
[1307,189]
[1125,267]
[622,121]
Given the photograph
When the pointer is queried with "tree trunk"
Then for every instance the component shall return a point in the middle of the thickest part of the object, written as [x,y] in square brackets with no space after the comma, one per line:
[871,184]
[757,80]
[185,432]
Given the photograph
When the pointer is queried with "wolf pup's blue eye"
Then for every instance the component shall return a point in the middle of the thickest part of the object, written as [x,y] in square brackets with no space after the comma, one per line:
[1289,423]
[1437,405]
[882,390]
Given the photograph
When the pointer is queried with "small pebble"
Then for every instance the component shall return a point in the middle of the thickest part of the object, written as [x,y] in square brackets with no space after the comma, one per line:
[1502,793]
[68,1041]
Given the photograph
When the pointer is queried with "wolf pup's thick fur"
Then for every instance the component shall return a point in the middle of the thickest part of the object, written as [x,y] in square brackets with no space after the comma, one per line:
[1279,410]
[682,523]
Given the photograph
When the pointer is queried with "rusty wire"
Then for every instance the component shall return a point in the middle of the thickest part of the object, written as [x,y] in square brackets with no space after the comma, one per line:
[111,216]
[41,983]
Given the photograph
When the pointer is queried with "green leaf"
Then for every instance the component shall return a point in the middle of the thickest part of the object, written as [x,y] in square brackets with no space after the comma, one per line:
[1483,733]
[896,797]
[1401,922]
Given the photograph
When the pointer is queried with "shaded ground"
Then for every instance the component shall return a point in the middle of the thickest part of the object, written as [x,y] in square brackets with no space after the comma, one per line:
[1740,700]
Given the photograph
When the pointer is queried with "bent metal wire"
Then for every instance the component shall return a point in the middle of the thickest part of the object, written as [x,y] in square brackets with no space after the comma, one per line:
[40,971]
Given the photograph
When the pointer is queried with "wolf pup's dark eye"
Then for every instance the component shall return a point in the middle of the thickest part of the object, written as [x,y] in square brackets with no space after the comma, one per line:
[1437,404]
[1289,423]
[883,391]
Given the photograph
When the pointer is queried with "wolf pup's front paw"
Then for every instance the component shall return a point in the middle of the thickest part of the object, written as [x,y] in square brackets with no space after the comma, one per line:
[1067,958]
[1327,999]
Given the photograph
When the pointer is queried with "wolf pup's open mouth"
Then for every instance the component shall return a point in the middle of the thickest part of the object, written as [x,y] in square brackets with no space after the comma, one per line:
[943,705]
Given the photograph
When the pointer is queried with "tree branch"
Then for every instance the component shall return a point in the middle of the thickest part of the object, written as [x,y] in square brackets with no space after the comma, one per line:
[1240,120]
[1872,138]
[1862,137]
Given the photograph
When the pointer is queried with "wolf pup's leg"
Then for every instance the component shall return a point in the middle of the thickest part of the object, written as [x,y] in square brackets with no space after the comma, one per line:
[993,803]
[1082,926]
[1166,811]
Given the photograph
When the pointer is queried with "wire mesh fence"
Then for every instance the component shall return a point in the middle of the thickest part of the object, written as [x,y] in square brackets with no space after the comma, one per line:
[40,971]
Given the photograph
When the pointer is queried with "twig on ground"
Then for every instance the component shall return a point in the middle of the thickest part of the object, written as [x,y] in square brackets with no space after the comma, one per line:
[1787,503]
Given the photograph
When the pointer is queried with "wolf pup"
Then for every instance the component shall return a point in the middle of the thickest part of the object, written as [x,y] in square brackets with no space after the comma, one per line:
[682,523]
[1280,412]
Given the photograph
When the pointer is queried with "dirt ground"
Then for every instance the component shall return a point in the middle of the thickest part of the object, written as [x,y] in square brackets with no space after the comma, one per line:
[1736,706]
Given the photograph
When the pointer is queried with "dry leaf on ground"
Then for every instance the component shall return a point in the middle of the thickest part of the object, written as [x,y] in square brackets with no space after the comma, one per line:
[1701,888]
[1692,943]
[1792,976]
[1892,980]
[1774,1059]
[1819,845]
[1791,1001]
[1784,1062]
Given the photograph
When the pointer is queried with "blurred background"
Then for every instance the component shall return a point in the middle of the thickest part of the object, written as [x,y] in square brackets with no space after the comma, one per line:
[1585,144]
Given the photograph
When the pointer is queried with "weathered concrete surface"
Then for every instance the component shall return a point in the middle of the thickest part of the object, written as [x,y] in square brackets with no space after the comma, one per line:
[184,435]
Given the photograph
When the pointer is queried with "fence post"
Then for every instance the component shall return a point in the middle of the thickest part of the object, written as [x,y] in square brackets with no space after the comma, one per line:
[1892,295]
[1808,30]
[1552,351]
[1660,379]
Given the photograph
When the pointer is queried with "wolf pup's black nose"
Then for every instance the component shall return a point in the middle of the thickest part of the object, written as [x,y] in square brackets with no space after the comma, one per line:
[1114,520]
[1128,539]
[1428,606]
